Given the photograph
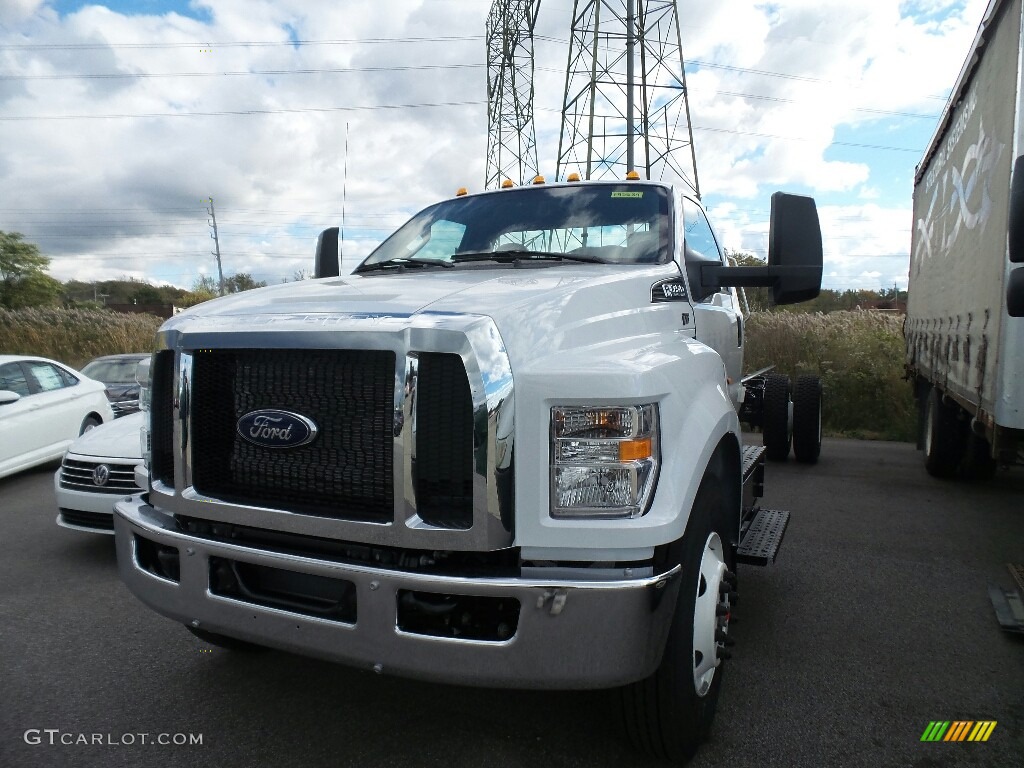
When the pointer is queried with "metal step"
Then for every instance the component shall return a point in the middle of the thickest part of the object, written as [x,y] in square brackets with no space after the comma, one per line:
[761,542]
[751,456]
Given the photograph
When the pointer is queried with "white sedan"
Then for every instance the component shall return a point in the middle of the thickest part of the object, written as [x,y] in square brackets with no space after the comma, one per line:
[98,470]
[44,405]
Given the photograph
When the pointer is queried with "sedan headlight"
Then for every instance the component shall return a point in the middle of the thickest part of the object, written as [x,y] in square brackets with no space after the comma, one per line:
[604,460]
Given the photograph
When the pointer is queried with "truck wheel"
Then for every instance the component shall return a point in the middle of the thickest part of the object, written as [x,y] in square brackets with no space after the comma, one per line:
[807,419]
[943,437]
[775,419]
[223,641]
[669,714]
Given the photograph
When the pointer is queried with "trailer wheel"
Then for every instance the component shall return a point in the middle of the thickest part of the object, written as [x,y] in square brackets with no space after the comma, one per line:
[669,714]
[943,437]
[807,419]
[775,421]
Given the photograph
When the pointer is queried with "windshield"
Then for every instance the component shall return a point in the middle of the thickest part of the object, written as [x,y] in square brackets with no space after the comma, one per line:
[118,371]
[606,223]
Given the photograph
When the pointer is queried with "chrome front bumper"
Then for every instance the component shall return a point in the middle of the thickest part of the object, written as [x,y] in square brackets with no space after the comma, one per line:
[570,634]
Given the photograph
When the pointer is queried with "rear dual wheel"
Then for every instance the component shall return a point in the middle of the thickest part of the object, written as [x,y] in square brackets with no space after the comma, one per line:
[807,397]
[775,423]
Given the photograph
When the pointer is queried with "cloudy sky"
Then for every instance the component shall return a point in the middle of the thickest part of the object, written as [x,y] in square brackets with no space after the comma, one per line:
[120,119]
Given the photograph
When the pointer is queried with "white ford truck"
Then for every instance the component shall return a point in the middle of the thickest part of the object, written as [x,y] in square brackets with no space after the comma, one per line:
[505,451]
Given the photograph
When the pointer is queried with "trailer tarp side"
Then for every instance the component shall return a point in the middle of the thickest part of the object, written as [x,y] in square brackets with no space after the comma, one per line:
[957,322]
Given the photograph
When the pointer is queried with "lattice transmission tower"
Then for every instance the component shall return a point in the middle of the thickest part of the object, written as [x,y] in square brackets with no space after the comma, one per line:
[625,68]
[511,136]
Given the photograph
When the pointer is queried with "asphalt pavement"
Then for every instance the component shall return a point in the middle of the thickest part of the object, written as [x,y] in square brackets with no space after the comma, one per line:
[874,622]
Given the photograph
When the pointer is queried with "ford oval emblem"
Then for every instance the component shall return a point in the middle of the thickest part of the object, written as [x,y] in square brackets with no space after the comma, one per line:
[276,429]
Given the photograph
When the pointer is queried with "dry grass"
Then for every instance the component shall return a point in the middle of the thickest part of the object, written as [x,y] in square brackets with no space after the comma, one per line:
[74,336]
[859,356]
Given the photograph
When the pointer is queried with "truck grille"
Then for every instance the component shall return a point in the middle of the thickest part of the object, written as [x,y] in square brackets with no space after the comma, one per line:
[162,418]
[443,472]
[346,472]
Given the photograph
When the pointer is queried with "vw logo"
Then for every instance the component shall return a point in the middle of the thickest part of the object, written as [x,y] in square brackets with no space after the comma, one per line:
[101,475]
[270,428]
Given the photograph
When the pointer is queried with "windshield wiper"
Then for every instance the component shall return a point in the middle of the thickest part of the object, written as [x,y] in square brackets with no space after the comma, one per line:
[402,262]
[514,256]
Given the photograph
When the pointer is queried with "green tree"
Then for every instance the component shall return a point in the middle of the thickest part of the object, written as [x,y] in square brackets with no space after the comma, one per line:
[23,278]
[241,281]
[757,298]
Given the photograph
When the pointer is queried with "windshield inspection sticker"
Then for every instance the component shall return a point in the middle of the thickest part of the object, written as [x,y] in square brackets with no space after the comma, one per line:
[627,194]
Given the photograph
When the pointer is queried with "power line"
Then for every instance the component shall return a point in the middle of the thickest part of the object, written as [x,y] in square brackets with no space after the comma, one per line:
[236,73]
[236,44]
[241,112]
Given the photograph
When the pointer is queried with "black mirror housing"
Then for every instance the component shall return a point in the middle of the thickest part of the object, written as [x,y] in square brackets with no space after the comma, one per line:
[794,245]
[1015,293]
[1015,236]
[327,262]
[794,254]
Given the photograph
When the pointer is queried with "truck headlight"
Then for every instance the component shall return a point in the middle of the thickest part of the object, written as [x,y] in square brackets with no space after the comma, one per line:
[604,460]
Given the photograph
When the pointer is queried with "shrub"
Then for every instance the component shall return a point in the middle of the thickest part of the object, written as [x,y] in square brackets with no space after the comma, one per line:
[74,336]
[859,356]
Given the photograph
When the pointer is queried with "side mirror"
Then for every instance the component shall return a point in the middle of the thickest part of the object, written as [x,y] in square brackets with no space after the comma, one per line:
[7,397]
[1015,238]
[794,254]
[1015,293]
[794,246]
[326,262]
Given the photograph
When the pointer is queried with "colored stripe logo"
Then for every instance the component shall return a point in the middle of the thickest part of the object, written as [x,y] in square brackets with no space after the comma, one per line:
[958,730]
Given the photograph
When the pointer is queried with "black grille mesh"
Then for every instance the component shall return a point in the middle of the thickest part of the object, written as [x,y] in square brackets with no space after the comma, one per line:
[444,442]
[162,417]
[346,472]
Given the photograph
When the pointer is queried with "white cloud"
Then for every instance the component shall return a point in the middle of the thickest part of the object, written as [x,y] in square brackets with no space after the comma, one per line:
[116,196]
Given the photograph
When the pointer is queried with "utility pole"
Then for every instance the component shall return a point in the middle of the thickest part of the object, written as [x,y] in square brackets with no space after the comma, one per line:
[216,243]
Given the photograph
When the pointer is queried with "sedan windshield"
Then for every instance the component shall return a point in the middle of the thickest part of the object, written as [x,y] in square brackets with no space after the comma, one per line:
[115,371]
[598,223]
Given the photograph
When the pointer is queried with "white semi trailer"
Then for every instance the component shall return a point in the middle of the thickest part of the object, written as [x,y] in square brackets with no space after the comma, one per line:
[965,308]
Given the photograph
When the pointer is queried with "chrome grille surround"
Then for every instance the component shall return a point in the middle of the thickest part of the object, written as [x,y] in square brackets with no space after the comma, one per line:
[474,338]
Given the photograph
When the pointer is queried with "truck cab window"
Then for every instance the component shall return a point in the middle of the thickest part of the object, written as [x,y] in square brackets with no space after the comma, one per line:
[700,247]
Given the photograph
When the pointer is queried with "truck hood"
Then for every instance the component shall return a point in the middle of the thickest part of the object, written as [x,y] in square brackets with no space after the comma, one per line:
[535,309]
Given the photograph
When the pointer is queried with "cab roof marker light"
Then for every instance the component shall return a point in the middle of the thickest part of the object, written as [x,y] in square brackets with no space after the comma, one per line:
[538,179]
[573,177]
[632,176]
[461,192]
[507,184]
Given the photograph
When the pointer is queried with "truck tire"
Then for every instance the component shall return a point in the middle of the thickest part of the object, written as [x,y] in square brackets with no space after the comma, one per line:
[669,714]
[223,641]
[775,418]
[807,419]
[943,437]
